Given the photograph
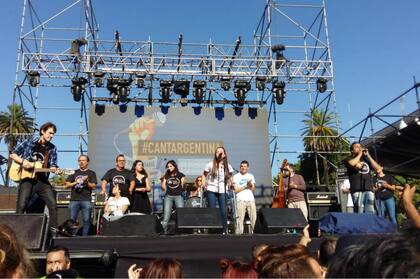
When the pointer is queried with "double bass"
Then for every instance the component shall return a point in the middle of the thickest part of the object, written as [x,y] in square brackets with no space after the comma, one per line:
[279,198]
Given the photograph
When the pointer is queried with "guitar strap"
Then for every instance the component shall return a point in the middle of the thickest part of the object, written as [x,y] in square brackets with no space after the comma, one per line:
[46,156]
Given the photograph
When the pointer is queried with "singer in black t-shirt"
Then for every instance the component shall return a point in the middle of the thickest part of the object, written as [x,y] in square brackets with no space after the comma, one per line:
[173,184]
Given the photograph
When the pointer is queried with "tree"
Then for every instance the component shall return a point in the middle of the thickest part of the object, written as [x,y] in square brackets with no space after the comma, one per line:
[320,137]
[21,122]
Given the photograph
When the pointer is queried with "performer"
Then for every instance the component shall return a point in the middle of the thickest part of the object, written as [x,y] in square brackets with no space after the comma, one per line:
[385,187]
[117,205]
[244,185]
[358,169]
[82,182]
[219,174]
[118,176]
[197,192]
[173,183]
[140,199]
[42,150]
[295,187]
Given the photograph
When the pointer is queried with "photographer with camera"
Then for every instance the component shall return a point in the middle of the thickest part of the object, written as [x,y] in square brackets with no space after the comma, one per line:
[82,182]
[359,167]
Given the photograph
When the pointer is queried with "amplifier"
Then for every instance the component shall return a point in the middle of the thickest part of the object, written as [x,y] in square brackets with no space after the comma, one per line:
[321,198]
[63,197]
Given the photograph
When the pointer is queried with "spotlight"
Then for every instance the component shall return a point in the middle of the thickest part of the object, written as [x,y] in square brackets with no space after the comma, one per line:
[199,90]
[321,85]
[78,87]
[33,78]
[140,80]
[99,109]
[260,83]
[417,120]
[75,46]
[280,59]
[402,125]
[165,90]
[241,88]
[278,90]
[119,88]
[182,88]
[225,83]
[123,89]
[99,79]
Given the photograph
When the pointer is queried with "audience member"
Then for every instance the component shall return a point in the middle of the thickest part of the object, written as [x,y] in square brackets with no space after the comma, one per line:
[326,251]
[14,259]
[384,257]
[237,269]
[303,266]
[159,268]
[58,258]
[410,209]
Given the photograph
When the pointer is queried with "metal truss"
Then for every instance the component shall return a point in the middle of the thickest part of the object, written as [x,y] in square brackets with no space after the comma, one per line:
[290,45]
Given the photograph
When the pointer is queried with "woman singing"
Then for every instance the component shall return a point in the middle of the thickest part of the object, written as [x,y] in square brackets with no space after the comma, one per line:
[140,199]
[172,183]
[219,174]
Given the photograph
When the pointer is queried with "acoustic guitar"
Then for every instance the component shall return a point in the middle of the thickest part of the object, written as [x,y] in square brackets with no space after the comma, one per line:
[279,198]
[18,173]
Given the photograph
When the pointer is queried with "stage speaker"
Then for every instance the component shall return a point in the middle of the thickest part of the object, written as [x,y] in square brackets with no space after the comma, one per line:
[132,225]
[30,228]
[189,218]
[279,220]
[319,210]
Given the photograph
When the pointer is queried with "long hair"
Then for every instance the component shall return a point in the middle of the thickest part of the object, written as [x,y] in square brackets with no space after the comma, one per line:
[133,168]
[163,268]
[215,165]
[237,269]
[168,173]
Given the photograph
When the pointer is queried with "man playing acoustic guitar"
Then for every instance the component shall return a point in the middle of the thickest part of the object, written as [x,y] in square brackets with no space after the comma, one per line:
[29,154]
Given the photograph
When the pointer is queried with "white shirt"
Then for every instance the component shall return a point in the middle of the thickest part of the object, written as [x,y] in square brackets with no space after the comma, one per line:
[241,181]
[346,186]
[216,184]
[115,205]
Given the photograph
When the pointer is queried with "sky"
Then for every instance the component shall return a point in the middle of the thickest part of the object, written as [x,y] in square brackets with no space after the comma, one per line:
[374,43]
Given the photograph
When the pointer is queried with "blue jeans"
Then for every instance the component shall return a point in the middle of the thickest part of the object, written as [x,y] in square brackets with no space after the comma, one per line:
[363,202]
[86,207]
[389,205]
[167,208]
[212,197]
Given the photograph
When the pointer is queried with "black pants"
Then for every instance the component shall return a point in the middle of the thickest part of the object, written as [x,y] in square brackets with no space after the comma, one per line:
[28,188]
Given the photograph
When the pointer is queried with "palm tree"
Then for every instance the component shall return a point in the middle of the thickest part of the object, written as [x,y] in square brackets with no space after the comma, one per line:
[320,136]
[14,124]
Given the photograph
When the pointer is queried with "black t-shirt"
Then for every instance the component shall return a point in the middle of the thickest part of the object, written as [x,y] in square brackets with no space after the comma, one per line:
[81,192]
[173,184]
[360,180]
[383,193]
[114,177]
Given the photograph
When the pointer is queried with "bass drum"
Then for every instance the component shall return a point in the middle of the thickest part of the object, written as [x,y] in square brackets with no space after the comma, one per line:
[195,202]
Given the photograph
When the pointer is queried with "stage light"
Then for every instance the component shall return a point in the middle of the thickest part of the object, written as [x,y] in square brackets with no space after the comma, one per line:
[241,88]
[119,88]
[417,120]
[138,110]
[140,78]
[78,87]
[99,79]
[402,125]
[252,113]
[321,85]
[75,46]
[260,83]
[165,90]
[33,78]
[123,89]
[277,88]
[280,59]
[225,83]
[199,90]
[99,109]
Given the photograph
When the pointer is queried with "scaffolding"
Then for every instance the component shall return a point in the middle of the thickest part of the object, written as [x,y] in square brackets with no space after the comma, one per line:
[290,53]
